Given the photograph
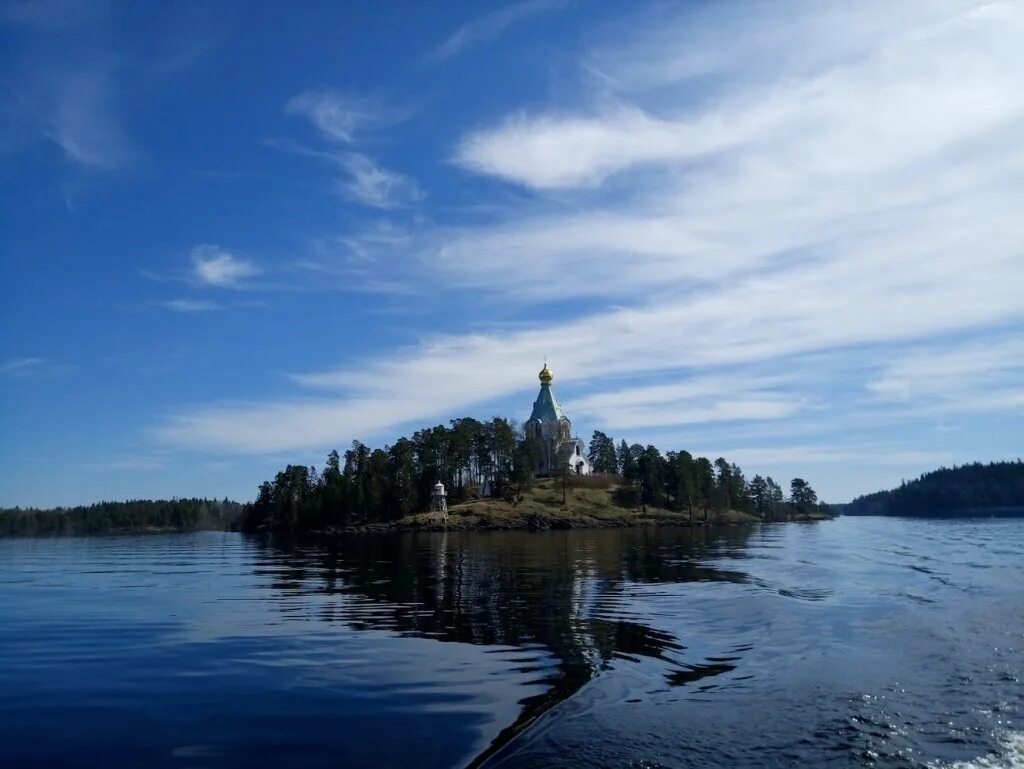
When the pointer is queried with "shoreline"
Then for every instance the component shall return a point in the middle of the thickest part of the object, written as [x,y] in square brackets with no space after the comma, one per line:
[532,521]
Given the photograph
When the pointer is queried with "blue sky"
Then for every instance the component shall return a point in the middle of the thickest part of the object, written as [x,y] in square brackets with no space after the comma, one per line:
[233,237]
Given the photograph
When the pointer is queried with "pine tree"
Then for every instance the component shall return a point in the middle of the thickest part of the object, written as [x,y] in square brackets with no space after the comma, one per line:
[627,467]
[603,458]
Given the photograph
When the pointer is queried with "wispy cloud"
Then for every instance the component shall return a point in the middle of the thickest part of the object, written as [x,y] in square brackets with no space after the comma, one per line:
[977,375]
[213,266]
[694,400]
[811,455]
[191,306]
[65,83]
[378,187]
[82,121]
[77,110]
[342,117]
[490,26]
[16,366]
[360,261]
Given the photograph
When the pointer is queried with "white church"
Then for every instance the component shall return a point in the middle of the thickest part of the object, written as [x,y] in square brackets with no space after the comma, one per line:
[551,428]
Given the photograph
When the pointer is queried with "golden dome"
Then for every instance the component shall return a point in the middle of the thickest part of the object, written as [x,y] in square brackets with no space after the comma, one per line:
[546,375]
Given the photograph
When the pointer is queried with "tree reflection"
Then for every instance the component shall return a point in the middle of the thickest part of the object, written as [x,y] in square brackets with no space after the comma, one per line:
[563,591]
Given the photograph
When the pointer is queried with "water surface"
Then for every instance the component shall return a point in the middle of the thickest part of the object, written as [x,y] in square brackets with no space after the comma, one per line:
[857,642]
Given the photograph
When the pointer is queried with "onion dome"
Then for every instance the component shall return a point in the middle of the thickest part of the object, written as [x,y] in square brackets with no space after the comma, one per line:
[546,408]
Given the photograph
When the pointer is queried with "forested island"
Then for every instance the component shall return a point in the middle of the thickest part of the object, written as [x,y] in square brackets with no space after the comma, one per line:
[995,489]
[488,470]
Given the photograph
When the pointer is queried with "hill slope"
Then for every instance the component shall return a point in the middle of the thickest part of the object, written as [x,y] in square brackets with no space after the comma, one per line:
[541,507]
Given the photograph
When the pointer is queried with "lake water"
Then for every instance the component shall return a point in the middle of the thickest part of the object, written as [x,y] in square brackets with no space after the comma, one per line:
[856,642]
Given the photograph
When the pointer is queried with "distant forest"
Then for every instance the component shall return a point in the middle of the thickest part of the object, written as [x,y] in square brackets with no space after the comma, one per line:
[993,489]
[116,517]
[367,486]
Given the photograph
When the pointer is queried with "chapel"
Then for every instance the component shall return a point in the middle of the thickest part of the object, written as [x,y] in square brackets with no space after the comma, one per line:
[551,428]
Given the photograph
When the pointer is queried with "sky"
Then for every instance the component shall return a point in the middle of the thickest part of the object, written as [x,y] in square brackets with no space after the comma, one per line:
[233,237]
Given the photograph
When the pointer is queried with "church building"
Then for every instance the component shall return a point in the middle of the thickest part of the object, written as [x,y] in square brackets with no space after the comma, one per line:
[551,428]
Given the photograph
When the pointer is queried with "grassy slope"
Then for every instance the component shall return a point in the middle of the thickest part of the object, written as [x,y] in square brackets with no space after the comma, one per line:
[541,508]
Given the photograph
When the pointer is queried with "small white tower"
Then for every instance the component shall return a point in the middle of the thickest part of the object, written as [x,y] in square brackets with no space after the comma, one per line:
[439,500]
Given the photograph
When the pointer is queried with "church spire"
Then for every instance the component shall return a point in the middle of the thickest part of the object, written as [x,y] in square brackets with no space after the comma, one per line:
[546,408]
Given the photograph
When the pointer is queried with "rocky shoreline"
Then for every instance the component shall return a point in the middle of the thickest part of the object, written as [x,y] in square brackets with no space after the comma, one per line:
[477,517]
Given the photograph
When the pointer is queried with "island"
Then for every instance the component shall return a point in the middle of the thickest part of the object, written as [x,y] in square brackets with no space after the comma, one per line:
[493,475]
[496,475]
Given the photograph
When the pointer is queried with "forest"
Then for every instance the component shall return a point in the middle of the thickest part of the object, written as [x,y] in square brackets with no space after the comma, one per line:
[120,517]
[470,457]
[989,489]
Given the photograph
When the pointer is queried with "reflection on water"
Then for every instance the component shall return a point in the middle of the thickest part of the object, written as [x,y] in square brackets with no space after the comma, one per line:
[854,642]
[559,591]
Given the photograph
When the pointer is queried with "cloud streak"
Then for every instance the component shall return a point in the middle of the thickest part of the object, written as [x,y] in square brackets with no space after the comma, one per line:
[490,26]
[16,366]
[341,117]
[190,306]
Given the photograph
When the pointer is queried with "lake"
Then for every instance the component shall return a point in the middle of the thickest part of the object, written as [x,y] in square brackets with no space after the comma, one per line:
[855,642]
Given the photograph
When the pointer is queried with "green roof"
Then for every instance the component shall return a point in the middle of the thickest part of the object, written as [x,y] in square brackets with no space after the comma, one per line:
[546,407]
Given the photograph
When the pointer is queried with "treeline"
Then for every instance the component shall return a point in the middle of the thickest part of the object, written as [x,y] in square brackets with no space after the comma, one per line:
[471,458]
[679,481]
[379,485]
[949,491]
[116,517]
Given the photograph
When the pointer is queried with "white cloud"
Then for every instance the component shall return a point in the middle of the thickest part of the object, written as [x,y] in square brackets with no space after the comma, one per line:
[190,306]
[215,267]
[693,400]
[551,151]
[977,375]
[378,187]
[907,95]
[490,26]
[901,153]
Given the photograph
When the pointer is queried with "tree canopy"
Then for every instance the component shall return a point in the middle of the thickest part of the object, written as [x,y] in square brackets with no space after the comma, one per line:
[473,458]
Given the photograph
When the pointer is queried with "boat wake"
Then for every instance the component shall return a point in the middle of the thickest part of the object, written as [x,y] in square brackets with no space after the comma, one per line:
[1009,755]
